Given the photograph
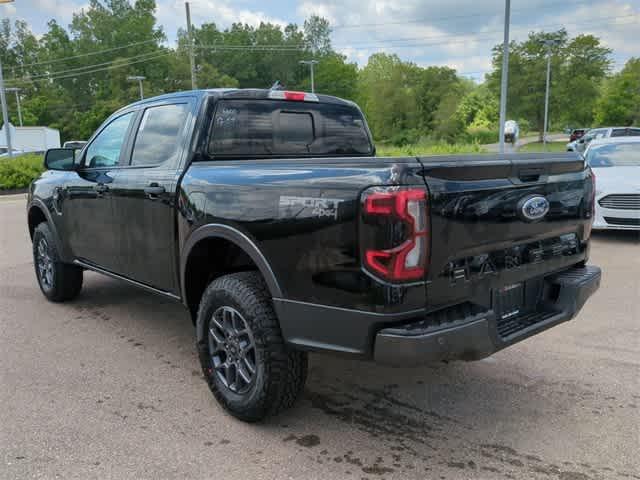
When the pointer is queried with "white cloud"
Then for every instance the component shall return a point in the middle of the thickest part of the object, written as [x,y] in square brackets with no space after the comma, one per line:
[171,15]
[7,10]
[462,33]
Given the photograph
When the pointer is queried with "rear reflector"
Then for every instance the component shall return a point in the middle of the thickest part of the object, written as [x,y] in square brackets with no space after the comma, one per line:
[293,96]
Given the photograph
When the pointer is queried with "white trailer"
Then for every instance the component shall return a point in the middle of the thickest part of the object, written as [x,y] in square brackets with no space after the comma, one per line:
[31,139]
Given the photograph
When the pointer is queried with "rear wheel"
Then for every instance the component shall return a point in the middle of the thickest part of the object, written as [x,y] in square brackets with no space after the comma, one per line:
[247,365]
[58,281]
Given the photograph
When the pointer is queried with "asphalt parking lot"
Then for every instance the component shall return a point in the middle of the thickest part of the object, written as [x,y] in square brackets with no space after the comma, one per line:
[109,387]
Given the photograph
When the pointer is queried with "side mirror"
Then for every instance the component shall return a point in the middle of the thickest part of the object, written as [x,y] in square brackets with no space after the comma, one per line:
[60,159]
[581,140]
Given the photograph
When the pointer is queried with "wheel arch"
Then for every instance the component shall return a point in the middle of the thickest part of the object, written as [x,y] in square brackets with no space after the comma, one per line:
[37,213]
[35,216]
[218,234]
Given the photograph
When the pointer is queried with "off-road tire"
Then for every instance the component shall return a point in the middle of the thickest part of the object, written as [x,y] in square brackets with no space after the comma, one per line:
[280,372]
[66,279]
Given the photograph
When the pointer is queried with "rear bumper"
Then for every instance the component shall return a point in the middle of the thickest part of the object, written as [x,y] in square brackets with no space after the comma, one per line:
[477,335]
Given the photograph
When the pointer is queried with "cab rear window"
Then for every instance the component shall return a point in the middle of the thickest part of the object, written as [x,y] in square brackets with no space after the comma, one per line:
[267,128]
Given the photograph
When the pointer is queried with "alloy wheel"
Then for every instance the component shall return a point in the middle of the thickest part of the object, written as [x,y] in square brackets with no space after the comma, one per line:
[232,349]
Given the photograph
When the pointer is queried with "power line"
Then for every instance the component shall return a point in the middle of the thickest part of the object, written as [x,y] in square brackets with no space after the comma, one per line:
[251,47]
[600,21]
[110,67]
[79,69]
[456,17]
[296,48]
[477,35]
[482,36]
[62,59]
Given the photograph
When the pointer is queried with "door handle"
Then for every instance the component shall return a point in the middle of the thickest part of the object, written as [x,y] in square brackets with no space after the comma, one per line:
[101,188]
[154,189]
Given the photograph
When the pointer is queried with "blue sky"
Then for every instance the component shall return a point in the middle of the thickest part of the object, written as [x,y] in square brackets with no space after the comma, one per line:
[457,33]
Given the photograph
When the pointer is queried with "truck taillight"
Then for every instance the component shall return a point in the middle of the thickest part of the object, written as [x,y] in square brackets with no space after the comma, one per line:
[405,260]
[293,96]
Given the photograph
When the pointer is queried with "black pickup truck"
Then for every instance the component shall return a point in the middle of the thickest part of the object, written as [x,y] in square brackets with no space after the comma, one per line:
[267,213]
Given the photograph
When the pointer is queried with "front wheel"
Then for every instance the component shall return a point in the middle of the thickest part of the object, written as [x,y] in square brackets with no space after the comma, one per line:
[248,367]
[58,281]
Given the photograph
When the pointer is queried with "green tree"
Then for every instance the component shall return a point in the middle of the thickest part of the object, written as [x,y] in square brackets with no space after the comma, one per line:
[317,35]
[479,109]
[387,92]
[333,76]
[578,66]
[620,102]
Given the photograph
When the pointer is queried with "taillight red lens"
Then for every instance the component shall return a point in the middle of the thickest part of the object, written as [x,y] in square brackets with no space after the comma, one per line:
[296,96]
[408,260]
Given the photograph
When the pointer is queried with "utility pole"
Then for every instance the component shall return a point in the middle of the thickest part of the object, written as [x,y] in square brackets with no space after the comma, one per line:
[16,90]
[505,72]
[139,79]
[548,44]
[311,63]
[5,114]
[192,60]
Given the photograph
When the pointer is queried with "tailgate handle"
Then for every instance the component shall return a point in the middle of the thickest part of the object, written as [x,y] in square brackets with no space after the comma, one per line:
[530,174]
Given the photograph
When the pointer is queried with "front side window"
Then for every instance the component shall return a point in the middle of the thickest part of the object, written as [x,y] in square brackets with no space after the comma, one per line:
[159,134]
[105,149]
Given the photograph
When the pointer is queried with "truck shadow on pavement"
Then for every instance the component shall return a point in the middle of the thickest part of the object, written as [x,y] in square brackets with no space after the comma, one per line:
[442,421]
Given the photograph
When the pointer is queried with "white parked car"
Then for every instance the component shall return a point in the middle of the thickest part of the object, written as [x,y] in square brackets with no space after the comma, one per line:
[582,143]
[616,165]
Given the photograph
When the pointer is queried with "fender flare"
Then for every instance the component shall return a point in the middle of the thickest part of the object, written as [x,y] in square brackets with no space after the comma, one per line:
[240,239]
[40,205]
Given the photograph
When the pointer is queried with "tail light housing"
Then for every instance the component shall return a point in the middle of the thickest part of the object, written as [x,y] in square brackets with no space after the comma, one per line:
[293,96]
[395,233]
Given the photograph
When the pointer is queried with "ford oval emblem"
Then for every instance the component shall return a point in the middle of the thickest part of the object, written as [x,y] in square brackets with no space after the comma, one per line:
[533,208]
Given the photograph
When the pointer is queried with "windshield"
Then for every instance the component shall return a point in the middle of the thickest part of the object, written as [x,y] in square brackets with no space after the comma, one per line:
[246,128]
[615,155]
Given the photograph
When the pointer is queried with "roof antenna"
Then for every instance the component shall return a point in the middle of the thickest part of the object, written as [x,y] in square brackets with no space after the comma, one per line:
[277,86]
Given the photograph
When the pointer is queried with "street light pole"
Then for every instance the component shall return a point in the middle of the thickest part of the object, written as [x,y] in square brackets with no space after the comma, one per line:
[139,79]
[505,73]
[311,63]
[5,114]
[192,60]
[549,44]
[16,90]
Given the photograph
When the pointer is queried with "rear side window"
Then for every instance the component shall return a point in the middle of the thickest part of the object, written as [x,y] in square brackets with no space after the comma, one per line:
[625,132]
[261,128]
[159,134]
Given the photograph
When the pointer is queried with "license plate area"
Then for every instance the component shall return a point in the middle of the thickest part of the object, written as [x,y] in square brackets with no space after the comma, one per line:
[508,301]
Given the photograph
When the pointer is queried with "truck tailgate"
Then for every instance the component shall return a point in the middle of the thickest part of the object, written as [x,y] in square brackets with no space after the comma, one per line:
[485,233]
